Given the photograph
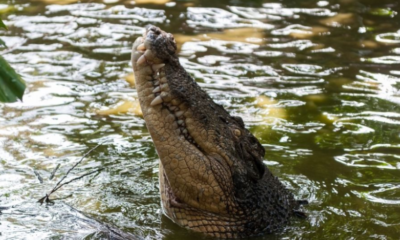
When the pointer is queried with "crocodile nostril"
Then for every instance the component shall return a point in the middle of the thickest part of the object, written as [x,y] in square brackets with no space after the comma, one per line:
[156,30]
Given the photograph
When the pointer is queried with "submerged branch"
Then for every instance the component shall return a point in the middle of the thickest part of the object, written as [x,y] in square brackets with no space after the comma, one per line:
[38,176]
[77,178]
[54,172]
[59,184]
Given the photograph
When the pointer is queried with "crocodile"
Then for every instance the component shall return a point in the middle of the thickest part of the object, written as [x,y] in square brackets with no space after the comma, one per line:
[212,176]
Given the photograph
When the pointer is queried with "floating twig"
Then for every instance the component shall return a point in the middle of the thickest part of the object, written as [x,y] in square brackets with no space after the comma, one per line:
[59,184]
[38,176]
[77,178]
[3,208]
[54,172]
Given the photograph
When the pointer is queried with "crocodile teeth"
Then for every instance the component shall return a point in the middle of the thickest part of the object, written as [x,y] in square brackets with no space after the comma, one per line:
[141,60]
[157,89]
[165,96]
[156,67]
[149,54]
[163,80]
[178,114]
[156,101]
[141,47]
[165,87]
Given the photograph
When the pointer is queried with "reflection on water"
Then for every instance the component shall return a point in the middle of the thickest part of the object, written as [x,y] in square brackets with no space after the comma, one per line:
[316,81]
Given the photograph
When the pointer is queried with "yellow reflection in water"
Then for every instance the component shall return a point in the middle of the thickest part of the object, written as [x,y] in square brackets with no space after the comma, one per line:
[313,31]
[130,78]
[250,35]
[339,19]
[369,44]
[270,105]
[60,2]
[151,1]
[90,204]
[6,8]
[124,106]
[317,98]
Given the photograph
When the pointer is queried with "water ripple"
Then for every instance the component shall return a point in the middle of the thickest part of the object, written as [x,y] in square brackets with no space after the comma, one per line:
[392,38]
[46,25]
[121,12]
[75,7]
[374,160]
[299,128]
[299,44]
[308,69]
[386,194]
[220,45]
[275,11]
[219,18]
[317,83]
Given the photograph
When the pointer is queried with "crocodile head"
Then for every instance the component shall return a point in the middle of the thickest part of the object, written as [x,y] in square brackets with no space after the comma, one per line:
[212,176]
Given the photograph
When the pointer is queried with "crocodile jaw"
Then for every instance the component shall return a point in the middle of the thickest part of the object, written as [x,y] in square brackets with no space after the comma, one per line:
[187,182]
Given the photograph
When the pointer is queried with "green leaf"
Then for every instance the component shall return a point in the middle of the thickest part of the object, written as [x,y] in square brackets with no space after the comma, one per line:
[2,25]
[12,86]
[2,43]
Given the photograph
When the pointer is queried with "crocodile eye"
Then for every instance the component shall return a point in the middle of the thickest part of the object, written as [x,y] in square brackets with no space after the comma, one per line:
[171,44]
[237,132]
[156,30]
[171,38]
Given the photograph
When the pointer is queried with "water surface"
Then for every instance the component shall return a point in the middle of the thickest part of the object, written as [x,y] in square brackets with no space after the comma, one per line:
[316,81]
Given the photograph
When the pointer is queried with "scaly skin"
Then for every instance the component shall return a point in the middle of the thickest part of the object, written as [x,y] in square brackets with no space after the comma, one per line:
[212,178]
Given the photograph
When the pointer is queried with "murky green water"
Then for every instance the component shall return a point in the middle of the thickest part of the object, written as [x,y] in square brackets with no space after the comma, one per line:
[316,81]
